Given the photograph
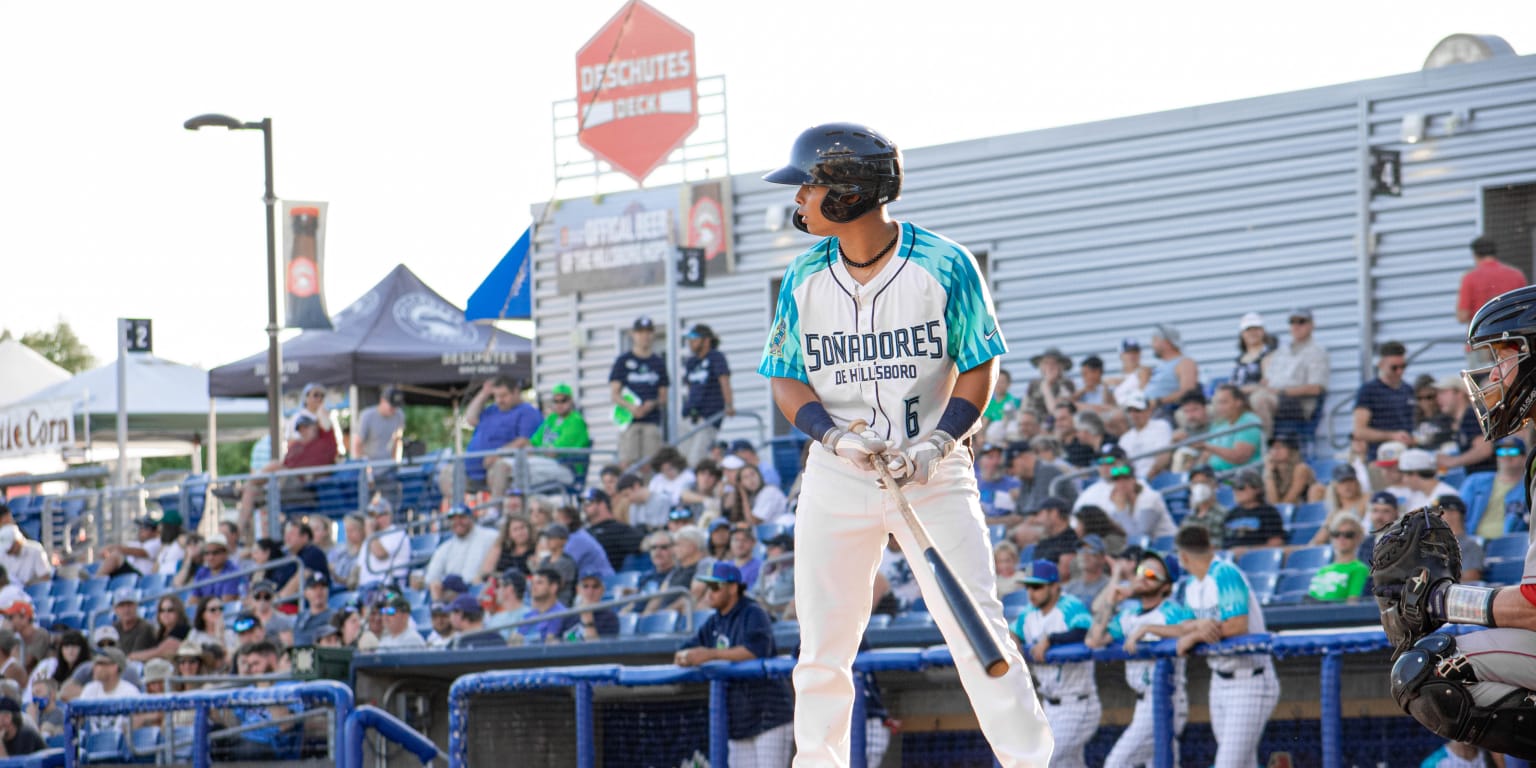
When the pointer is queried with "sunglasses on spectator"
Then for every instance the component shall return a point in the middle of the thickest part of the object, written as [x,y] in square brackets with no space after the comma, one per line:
[214,609]
[1120,471]
[1347,535]
[1299,321]
[188,660]
[655,547]
[1033,587]
[389,610]
[1150,574]
[317,394]
[1426,398]
[167,609]
[106,643]
[265,597]
[559,400]
[1397,367]
[714,586]
[1509,451]
[216,551]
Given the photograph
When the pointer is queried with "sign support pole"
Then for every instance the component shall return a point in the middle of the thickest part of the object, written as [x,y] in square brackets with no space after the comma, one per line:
[674,392]
[122,418]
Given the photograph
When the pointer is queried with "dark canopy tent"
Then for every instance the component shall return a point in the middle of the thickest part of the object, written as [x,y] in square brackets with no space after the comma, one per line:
[400,332]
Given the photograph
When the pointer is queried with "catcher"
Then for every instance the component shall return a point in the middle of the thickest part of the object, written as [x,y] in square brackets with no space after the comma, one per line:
[1478,687]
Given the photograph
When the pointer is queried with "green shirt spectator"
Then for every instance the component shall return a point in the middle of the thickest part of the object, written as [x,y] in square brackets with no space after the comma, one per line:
[1239,449]
[1337,582]
[564,427]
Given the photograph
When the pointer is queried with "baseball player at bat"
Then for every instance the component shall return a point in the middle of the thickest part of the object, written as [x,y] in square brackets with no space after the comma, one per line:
[1071,697]
[1478,687]
[887,323]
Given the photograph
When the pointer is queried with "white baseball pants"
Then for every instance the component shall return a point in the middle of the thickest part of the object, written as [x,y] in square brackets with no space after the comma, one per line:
[1073,723]
[1240,708]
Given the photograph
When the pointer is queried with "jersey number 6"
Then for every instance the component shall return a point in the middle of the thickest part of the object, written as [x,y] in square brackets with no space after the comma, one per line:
[911,419]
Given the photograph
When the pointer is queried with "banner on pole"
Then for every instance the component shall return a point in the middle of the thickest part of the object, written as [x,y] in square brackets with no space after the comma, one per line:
[303,266]
[36,428]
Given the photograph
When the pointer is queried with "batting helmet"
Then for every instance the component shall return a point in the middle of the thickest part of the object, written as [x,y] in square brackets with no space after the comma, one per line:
[1503,390]
[860,168]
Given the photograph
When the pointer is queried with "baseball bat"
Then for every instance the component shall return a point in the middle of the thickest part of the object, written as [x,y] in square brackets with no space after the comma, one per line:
[967,614]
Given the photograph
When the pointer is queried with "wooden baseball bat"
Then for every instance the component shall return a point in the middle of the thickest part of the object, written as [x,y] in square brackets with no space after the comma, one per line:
[967,614]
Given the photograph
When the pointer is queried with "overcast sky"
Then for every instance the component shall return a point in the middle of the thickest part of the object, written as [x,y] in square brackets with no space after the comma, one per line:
[426,126]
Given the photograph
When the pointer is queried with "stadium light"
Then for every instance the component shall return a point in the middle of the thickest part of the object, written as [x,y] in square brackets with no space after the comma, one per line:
[274,354]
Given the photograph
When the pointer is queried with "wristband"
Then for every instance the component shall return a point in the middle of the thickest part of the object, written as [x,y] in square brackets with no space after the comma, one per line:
[960,415]
[1466,604]
[813,420]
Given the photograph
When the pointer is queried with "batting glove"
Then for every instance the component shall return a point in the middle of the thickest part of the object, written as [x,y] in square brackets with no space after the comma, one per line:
[921,459]
[857,448]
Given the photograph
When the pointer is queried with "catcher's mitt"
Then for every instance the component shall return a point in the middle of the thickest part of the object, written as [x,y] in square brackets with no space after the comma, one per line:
[1412,557]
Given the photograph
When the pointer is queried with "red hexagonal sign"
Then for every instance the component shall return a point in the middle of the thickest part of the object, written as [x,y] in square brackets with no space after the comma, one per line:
[636,85]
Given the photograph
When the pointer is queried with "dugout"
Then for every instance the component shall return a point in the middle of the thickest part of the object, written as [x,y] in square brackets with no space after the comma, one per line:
[1091,233]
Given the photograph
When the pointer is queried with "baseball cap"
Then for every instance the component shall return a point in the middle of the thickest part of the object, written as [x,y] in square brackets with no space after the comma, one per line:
[262,586]
[644,323]
[1342,472]
[157,669]
[466,604]
[394,396]
[216,540]
[742,444]
[1301,313]
[1136,401]
[1389,453]
[380,506]
[190,649]
[105,632]
[125,595]
[455,583]
[732,462]
[718,522]
[18,608]
[460,509]
[245,622]
[312,387]
[8,704]
[1167,333]
[1384,497]
[1093,361]
[439,608]
[1416,460]
[146,521]
[111,656]
[1130,345]
[782,541]
[516,579]
[304,420]
[557,531]
[1248,478]
[1510,442]
[326,630]
[723,573]
[595,494]
[700,331]
[1057,503]
[1202,470]
[562,389]
[1250,320]
[1094,542]
[1451,501]
[988,448]
[317,579]
[1111,452]
[1038,572]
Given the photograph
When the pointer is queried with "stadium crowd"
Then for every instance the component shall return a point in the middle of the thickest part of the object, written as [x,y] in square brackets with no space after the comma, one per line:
[1111,497]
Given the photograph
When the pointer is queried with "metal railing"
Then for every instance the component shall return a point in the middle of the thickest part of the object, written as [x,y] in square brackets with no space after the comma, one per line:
[1188,441]
[679,592]
[211,580]
[1348,403]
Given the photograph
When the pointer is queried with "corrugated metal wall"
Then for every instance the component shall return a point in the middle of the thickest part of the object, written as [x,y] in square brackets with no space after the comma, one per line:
[1191,217]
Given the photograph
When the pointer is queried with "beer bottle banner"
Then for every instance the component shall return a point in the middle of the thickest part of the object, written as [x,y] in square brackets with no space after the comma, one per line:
[303,265]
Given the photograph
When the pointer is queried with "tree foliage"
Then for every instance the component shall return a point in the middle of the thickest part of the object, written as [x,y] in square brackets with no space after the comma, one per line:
[62,347]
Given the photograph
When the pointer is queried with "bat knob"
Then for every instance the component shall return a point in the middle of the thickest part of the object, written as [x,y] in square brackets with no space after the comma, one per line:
[858,425]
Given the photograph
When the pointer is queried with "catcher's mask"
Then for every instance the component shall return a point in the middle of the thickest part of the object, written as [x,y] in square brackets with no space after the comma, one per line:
[1500,385]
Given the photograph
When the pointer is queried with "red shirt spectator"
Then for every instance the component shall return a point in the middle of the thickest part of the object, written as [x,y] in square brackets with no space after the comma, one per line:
[312,453]
[1488,278]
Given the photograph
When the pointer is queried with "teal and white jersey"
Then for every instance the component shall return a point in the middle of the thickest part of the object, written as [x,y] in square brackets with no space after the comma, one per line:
[1221,595]
[1058,680]
[1132,620]
[887,352]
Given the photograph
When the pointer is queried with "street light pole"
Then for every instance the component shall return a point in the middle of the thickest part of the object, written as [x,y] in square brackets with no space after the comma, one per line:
[274,352]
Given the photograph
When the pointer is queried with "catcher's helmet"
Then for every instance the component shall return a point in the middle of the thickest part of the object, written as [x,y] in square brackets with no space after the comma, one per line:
[860,168]
[1503,386]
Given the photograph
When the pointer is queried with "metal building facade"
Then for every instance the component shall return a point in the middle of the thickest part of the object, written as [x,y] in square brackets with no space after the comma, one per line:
[1192,217]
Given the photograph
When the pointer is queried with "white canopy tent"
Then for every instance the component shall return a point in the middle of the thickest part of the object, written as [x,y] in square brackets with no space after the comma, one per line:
[24,371]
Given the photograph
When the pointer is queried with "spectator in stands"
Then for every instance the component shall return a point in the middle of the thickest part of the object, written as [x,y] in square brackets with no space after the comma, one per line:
[1136,507]
[992,481]
[1252,522]
[231,531]
[59,665]
[107,682]
[1433,427]
[1174,375]
[1385,510]
[462,554]
[1472,555]
[258,743]
[1192,418]
[21,619]
[141,551]
[1089,574]
[1344,496]
[214,554]
[706,496]
[582,546]
[513,547]
[298,541]
[12,667]
[1295,378]
[564,429]
[501,421]
[1067,690]
[1093,393]
[43,708]
[1496,502]
[208,626]
[690,547]
[544,598]
[670,477]
[442,626]
[17,736]
[659,548]
[719,539]
[759,501]
[1058,543]
[1133,376]
[1254,343]
[1005,563]
[709,398]
[265,551]
[1204,509]
[1002,410]
[387,549]
[617,539]
[1288,479]
[1473,452]
[508,590]
[1093,520]
[134,634]
[1422,478]
[469,631]
[114,563]
[1097,493]
[1146,435]
[345,556]
[317,609]
[377,436]
[555,538]
[744,450]
[249,629]
[1031,466]
[1343,579]
[775,590]
[312,402]
[311,446]
[1384,405]
[189,662]
[157,681]
[1388,475]
[1089,438]
[349,622]
[759,711]
[595,624]
[398,632]
[1487,278]
[453,586]
[743,553]
[261,601]
[647,510]
[25,561]
[1238,449]
[1053,386]
[172,552]
[638,385]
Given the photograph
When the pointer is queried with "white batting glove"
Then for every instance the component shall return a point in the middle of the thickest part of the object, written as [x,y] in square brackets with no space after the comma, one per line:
[921,459]
[857,448]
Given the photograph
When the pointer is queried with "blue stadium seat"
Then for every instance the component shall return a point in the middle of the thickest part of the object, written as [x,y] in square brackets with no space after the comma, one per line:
[1286,512]
[130,580]
[422,615]
[153,584]
[786,625]
[1257,561]
[39,590]
[1322,466]
[181,742]
[1292,587]
[1165,479]
[659,623]
[55,741]
[412,596]
[1308,559]
[766,531]
[629,580]
[339,599]
[699,617]
[423,544]
[144,742]
[640,561]
[1504,572]
[918,604]
[104,746]
[997,532]
[913,619]
[1313,513]
[1225,496]
[64,587]
[73,620]
[627,624]
[1509,547]
[96,603]
[1163,544]
[96,585]
[879,621]
[1302,535]
[1263,586]
[42,606]
[68,604]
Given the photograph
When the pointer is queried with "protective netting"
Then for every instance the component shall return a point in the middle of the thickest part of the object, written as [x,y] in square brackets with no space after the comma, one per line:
[525,727]
[662,727]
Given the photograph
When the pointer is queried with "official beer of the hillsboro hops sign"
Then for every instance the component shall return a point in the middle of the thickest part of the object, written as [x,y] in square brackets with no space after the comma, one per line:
[636,82]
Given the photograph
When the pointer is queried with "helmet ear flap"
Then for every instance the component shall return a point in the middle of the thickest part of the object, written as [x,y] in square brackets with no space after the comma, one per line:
[844,206]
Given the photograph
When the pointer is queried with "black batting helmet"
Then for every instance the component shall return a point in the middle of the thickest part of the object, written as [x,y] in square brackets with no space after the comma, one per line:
[1503,387]
[860,168]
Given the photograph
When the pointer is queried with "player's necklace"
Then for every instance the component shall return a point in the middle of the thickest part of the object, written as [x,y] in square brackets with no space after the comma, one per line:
[875,258]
